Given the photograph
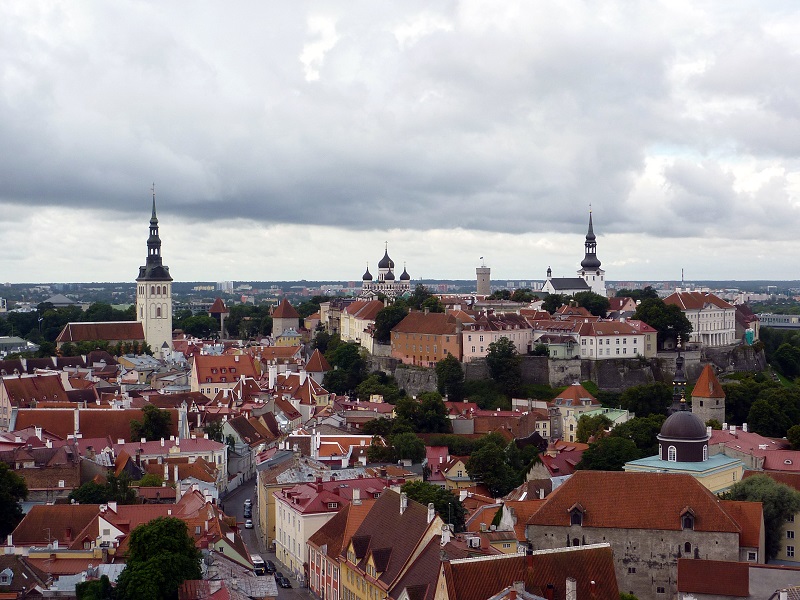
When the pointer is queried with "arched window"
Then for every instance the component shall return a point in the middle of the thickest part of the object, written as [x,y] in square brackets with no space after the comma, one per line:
[141,312]
[687,547]
[158,312]
[672,454]
[576,542]
[705,452]
[152,289]
[687,522]
[660,452]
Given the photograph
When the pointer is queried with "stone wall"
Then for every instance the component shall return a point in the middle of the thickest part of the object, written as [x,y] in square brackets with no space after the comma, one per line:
[644,559]
[415,380]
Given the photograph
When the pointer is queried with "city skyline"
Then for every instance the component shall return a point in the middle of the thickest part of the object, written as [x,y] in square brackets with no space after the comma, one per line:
[292,142]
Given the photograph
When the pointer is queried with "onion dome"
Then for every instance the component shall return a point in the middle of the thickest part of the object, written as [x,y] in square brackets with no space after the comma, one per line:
[389,276]
[405,276]
[590,261]
[386,262]
[367,275]
[684,425]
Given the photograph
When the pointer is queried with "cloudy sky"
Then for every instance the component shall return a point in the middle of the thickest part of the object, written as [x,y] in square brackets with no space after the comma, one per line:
[290,140]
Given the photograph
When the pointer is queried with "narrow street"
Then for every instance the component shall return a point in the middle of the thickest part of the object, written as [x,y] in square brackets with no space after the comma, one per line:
[234,506]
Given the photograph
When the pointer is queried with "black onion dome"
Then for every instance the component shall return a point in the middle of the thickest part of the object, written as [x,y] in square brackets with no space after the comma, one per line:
[386,262]
[367,275]
[405,276]
[683,425]
[590,262]
[389,276]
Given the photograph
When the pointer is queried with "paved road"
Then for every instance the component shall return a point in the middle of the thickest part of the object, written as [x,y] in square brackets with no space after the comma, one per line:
[234,506]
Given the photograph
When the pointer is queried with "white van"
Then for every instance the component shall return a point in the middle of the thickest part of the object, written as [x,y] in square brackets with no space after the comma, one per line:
[259,566]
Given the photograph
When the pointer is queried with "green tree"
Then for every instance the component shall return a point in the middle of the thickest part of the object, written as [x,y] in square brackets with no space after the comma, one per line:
[381,384]
[643,432]
[793,435]
[787,360]
[449,507]
[648,399]
[13,490]
[592,426]
[214,431]
[522,295]
[323,340]
[155,424]
[408,446]
[418,296]
[433,304]
[779,502]
[554,301]
[450,378]
[386,319]
[349,368]
[645,294]
[667,319]
[90,493]
[541,350]
[489,465]
[594,303]
[500,295]
[608,454]
[202,326]
[161,557]
[119,488]
[504,365]
[95,589]
[150,480]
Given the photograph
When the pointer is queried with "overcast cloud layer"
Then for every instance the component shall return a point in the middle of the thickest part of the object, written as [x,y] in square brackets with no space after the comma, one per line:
[289,140]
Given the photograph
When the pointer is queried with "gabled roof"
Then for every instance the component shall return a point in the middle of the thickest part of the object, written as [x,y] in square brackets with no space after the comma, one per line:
[750,518]
[55,522]
[569,283]
[218,307]
[575,395]
[336,533]
[715,577]
[483,577]
[707,385]
[317,363]
[428,323]
[22,391]
[365,310]
[696,300]
[386,527]
[110,330]
[608,503]
[225,368]
[284,310]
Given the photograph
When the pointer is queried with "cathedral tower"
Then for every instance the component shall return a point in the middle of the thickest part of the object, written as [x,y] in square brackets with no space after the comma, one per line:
[154,294]
[590,270]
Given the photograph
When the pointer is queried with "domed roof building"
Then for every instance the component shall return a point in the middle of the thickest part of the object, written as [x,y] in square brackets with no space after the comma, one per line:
[385,283]
[683,448]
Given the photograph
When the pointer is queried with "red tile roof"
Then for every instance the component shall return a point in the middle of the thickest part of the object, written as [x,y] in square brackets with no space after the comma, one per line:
[606,498]
[218,307]
[111,330]
[481,578]
[285,311]
[430,323]
[574,395]
[708,385]
[22,391]
[223,369]
[696,300]
[750,517]
[317,363]
[714,577]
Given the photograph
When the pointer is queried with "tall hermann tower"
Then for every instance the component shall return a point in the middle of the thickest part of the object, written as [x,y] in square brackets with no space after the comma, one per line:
[483,276]
[154,293]
[590,270]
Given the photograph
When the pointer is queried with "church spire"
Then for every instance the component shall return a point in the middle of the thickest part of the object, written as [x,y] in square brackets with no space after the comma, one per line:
[590,260]
[153,268]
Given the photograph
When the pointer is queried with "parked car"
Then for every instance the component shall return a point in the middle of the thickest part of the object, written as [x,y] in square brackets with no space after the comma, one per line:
[248,524]
[284,583]
[278,575]
[248,502]
[270,566]
[248,513]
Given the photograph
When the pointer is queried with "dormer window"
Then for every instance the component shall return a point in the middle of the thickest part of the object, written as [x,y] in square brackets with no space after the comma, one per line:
[576,514]
[687,519]
[6,576]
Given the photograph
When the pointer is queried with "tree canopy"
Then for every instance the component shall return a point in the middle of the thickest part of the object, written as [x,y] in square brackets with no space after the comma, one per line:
[667,319]
[645,294]
[779,502]
[592,426]
[608,454]
[161,557]
[489,465]
[450,378]
[386,319]
[648,399]
[449,507]
[426,414]
[594,303]
[155,424]
[504,365]
[13,490]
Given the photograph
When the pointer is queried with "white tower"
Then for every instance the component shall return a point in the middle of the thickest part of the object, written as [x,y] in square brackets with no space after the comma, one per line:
[154,294]
[484,285]
[590,270]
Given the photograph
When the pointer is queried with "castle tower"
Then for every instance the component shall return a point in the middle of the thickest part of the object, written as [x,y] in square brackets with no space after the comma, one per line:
[708,397]
[590,270]
[154,294]
[484,283]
